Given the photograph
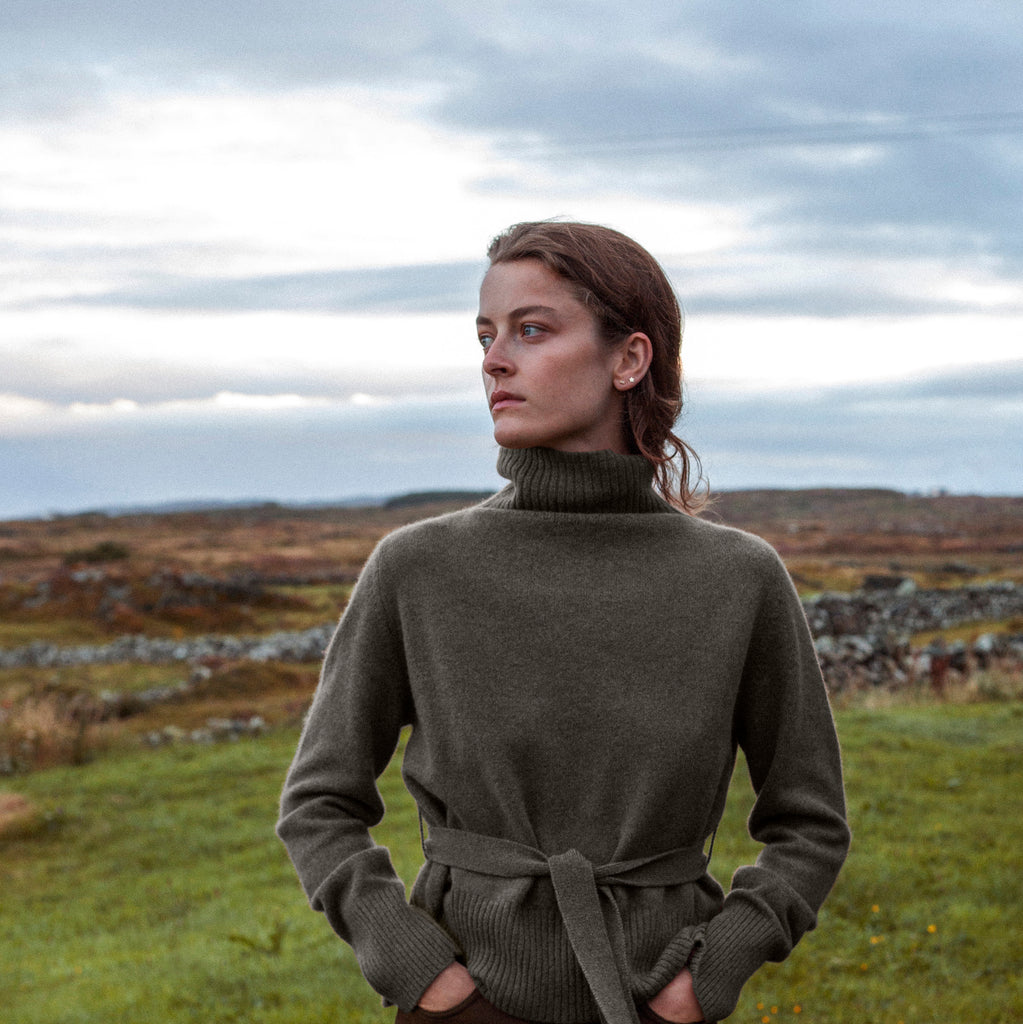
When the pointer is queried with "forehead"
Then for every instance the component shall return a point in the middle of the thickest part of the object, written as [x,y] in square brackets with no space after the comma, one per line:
[529,282]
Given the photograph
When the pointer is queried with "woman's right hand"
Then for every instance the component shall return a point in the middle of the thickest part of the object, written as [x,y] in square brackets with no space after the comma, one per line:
[452,986]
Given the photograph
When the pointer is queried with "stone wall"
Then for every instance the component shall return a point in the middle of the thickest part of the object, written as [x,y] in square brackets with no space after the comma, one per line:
[861,638]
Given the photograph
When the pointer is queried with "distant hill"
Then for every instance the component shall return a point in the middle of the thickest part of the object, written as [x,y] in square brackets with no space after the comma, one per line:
[418,498]
[779,514]
[226,505]
[870,510]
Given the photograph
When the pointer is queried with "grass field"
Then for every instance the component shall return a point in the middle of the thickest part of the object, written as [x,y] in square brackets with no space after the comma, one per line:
[148,886]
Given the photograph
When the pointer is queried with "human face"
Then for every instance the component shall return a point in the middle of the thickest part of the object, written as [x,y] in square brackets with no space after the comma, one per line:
[548,374]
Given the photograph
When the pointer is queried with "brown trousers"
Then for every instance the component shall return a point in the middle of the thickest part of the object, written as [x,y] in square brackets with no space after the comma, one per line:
[476,1010]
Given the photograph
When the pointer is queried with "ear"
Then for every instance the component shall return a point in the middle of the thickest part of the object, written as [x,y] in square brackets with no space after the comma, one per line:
[634,356]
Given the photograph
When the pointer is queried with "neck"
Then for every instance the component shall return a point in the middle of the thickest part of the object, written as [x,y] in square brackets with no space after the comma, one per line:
[545,480]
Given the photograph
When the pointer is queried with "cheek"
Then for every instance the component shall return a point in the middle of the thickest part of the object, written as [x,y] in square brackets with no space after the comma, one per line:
[591,378]
[588,361]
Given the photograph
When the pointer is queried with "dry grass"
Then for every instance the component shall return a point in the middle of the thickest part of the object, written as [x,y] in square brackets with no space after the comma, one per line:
[996,685]
[53,723]
[43,730]
[939,540]
[993,685]
[267,539]
[19,817]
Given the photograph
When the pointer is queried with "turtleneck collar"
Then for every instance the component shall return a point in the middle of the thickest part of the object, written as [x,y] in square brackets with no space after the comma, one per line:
[545,480]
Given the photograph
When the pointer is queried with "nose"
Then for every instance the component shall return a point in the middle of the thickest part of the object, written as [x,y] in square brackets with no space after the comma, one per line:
[496,360]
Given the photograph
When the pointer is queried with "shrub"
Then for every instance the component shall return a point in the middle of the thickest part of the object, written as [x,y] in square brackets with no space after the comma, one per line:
[103,551]
[48,727]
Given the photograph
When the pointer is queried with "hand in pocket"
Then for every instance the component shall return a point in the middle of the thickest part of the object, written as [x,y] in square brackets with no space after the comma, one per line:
[452,986]
[676,1003]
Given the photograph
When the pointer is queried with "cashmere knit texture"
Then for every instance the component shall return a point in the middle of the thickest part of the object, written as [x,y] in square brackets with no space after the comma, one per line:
[578,662]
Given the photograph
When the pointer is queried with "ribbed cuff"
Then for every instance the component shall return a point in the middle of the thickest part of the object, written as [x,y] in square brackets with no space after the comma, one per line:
[735,944]
[400,949]
[675,956]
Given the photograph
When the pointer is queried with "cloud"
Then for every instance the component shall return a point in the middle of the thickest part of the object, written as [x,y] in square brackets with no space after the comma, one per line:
[422,288]
[321,452]
[248,198]
[995,383]
[945,430]
[266,44]
[862,129]
[59,374]
[852,124]
[750,282]
[22,416]
[948,430]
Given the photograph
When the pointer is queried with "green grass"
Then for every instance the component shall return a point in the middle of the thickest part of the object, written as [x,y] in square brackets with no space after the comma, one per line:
[935,807]
[154,889]
[120,677]
[320,603]
[156,894]
[64,631]
[968,631]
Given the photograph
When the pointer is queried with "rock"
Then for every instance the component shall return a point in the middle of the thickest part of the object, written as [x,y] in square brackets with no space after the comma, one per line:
[300,646]
[826,646]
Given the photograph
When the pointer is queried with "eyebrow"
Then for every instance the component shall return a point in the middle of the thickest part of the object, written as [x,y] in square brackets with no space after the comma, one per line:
[522,311]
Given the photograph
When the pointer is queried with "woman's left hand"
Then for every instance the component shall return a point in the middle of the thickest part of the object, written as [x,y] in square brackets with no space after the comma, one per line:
[677,1001]
[452,986]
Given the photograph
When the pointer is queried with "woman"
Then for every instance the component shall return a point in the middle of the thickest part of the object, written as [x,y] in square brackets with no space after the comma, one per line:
[579,657]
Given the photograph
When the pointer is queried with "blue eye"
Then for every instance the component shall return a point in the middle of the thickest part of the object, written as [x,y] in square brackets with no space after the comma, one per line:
[486,340]
[531,330]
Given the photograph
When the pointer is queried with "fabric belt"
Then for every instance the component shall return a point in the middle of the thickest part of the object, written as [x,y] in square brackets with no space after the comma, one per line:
[590,914]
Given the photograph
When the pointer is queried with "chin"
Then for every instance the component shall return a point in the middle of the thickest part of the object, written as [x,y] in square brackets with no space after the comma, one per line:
[514,441]
[508,437]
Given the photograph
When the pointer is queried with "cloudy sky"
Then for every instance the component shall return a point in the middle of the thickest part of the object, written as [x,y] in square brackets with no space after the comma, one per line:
[240,243]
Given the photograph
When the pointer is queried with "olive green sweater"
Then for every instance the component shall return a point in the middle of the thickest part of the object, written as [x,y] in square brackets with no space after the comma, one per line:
[578,662]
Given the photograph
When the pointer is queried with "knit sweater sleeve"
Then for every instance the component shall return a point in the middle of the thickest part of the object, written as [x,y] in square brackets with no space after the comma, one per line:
[331,800]
[784,725]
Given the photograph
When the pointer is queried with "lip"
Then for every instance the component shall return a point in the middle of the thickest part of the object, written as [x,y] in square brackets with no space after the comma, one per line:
[504,400]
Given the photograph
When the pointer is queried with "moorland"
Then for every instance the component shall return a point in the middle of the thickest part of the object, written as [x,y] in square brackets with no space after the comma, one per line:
[139,872]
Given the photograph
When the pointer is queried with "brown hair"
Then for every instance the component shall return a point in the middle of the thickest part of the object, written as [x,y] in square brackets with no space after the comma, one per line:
[627,292]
